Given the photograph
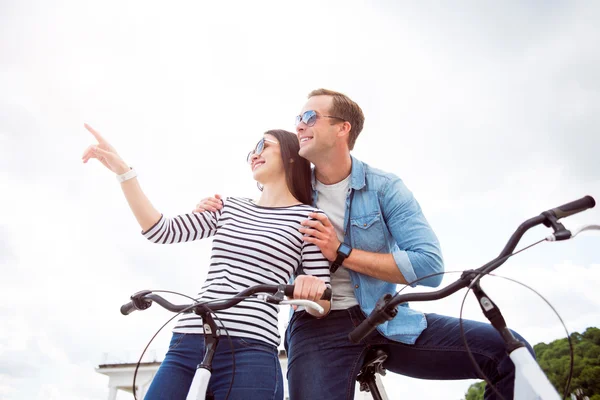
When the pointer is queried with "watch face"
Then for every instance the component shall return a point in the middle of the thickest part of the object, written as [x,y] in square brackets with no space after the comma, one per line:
[344,249]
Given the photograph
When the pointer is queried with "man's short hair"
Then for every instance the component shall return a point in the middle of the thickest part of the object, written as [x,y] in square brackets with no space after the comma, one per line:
[343,107]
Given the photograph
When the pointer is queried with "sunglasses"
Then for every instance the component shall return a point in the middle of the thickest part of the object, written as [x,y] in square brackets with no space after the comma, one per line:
[260,146]
[310,117]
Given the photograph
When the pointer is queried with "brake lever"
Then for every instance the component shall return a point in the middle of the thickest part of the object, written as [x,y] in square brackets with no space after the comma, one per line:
[575,232]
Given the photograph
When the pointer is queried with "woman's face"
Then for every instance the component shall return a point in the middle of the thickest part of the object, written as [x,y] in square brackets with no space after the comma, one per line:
[265,160]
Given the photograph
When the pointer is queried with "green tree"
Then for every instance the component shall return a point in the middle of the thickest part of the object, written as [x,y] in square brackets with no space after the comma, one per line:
[475,391]
[554,358]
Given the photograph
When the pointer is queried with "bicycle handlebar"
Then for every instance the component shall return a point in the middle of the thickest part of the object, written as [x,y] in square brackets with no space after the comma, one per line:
[385,309]
[142,300]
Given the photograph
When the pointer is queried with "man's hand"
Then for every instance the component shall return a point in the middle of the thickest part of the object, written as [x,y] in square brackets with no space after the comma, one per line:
[322,233]
[209,204]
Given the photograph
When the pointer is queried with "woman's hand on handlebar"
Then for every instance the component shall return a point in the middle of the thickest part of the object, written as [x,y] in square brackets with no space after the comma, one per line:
[104,153]
[311,288]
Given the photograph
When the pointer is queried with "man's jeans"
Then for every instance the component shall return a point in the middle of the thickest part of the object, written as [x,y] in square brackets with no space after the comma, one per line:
[323,363]
[257,369]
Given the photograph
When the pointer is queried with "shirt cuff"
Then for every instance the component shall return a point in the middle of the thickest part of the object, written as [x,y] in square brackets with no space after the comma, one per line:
[149,232]
[404,265]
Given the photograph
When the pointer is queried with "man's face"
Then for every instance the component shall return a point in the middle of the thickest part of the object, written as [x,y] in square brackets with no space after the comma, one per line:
[317,140]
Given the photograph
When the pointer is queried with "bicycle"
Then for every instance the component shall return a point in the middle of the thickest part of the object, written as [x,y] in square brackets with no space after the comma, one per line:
[530,380]
[143,299]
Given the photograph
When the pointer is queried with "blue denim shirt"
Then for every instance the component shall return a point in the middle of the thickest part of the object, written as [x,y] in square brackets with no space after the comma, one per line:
[386,218]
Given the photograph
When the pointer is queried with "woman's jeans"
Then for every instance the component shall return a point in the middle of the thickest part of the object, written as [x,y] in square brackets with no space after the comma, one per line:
[323,363]
[257,370]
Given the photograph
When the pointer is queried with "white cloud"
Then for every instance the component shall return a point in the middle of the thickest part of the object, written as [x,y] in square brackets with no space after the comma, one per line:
[489,113]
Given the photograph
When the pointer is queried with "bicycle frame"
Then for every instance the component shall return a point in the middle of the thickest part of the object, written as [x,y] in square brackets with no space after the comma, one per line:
[199,385]
[530,380]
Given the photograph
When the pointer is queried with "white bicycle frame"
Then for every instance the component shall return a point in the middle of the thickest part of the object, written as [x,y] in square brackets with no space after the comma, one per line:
[530,380]
[202,376]
[531,383]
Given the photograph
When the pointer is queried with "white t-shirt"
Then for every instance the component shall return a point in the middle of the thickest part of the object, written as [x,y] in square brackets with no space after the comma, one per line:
[332,200]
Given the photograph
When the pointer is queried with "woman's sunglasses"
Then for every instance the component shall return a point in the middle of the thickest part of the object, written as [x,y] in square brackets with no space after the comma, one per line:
[260,146]
[310,117]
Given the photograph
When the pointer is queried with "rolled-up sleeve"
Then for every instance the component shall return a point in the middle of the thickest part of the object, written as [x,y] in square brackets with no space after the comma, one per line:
[417,251]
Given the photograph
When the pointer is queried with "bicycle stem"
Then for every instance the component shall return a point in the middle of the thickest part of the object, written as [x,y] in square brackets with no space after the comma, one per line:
[211,339]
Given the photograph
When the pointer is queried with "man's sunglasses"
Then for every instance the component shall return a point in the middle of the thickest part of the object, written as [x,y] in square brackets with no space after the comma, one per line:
[310,118]
[260,146]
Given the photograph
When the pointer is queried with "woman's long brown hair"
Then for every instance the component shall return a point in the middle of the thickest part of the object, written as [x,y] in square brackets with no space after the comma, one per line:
[297,169]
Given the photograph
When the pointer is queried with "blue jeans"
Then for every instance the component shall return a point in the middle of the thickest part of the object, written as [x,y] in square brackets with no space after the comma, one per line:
[323,363]
[257,369]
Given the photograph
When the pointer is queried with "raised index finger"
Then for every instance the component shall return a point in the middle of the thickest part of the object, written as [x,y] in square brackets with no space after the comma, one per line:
[97,135]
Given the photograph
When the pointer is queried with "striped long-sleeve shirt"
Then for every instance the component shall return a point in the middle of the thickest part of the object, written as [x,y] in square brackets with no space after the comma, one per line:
[252,245]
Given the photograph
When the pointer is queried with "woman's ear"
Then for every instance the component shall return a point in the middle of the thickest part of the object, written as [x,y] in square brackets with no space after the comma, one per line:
[291,160]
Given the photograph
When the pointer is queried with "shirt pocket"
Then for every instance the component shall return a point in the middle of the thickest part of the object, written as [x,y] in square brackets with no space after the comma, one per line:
[367,232]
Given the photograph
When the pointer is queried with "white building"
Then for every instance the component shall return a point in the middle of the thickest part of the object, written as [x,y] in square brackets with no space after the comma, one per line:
[120,377]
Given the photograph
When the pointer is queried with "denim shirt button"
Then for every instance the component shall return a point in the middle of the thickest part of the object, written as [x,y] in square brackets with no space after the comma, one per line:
[356,286]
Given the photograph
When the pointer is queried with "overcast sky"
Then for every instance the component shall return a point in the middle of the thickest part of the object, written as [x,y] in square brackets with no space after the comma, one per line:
[489,111]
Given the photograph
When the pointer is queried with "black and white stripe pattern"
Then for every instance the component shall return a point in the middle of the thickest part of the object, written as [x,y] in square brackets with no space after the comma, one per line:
[251,245]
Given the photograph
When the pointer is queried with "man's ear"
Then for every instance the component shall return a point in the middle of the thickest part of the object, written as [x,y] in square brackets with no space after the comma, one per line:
[344,129]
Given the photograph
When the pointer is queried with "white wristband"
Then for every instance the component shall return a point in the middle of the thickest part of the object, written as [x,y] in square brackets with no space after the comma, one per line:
[127,175]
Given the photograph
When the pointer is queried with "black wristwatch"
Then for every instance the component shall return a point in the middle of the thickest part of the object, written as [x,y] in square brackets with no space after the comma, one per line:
[343,252]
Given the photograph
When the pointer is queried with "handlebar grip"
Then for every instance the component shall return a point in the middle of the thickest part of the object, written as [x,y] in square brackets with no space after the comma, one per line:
[382,312]
[137,302]
[362,331]
[289,291]
[128,308]
[574,207]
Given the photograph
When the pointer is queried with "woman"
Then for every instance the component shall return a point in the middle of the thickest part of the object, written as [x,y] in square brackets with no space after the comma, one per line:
[254,242]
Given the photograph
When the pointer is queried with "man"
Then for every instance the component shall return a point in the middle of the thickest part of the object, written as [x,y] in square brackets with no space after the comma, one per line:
[387,241]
